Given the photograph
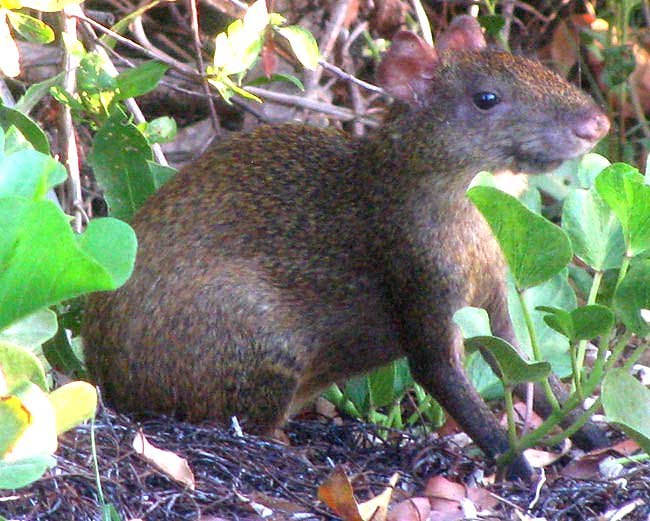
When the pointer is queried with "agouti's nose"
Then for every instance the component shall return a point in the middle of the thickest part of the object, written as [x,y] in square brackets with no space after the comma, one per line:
[594,128]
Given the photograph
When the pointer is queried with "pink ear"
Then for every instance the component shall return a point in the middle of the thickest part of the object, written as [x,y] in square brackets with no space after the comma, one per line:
[406,70]
[464,33]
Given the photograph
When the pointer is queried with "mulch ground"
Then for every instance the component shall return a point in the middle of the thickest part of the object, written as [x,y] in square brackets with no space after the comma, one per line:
[236,474]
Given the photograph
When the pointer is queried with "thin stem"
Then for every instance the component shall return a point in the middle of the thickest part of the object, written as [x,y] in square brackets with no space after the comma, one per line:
[536,351]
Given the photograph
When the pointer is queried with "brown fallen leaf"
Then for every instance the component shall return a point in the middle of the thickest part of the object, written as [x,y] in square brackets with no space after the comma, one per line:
[337,493]
[171,464]
[588,465]
[413,509]
[376,508]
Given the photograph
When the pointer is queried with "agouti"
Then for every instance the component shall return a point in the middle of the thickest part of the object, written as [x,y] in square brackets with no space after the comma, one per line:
[293,257]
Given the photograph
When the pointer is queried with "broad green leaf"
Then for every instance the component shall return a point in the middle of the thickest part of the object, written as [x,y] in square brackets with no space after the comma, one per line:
[583,323]
[14,420]
[29,129]
[112,244]
[555,292]
[30,28]
[44,262]
[32,330]
[36,92]
[39,438]
[633,295]
[49,6]
[627,403]
[559,320]
[119,158]
[73,403]
[622,188]
[358,392]
[17,474]
[473,322]
[29,174]
[534,248]
[381,386]
[160,130]
[482,376]
[263,80]
[595,232]
[140,80]
[591,321]
[160,173]
[514,369]
[302,44]
[19,365]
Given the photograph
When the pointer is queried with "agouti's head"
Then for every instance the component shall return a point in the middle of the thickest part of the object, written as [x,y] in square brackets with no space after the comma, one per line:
[491,109]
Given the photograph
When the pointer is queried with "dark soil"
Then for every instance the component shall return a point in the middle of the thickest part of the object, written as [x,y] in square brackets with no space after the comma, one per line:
[235,474]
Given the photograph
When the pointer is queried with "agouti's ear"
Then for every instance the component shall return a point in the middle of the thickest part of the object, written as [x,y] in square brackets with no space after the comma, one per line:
[406,70]
[464,33]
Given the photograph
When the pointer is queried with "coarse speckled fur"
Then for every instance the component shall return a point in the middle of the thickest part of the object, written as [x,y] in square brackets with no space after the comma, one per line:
[292,257]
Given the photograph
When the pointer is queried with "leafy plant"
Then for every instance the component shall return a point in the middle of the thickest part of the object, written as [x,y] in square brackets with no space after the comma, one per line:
[43,262]
[237,49]
[606,225]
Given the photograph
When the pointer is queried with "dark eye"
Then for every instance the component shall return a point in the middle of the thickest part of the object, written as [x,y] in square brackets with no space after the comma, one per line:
[486,100]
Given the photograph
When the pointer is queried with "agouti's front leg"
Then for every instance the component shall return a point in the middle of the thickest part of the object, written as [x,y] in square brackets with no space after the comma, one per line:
[440,371]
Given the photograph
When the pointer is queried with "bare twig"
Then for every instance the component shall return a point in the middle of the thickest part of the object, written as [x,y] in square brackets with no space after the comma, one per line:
[199,60]
[340,113]
[67,137]
[312,78]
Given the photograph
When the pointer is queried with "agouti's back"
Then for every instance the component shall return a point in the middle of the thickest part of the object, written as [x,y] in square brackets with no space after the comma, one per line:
[291,257]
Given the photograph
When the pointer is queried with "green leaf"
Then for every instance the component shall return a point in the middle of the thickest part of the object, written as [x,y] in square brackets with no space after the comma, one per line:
[17,474]
[30,28]
[595,232]
[302,44]
[32,330]
[482,376]
[112,244]
[160,130]
[73,403]
[492,24]
[160,173]
[514,369]
[535,249]
[29,129]
[19,365]
[583,323]
[591,321]
[263,80]
[49,6]
[119,158]
[140,80]
[559,320]
[44,263]
[622,188]
[632,296]
[36,92]
[627,404]
[555,292]
[473,322]
[30,174]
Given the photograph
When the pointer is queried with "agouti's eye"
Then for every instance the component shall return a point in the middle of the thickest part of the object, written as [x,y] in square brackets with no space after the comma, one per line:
[486,100]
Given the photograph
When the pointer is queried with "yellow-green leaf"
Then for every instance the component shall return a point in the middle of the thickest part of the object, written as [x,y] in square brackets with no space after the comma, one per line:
[73,404]
[49,6]
[14,419]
